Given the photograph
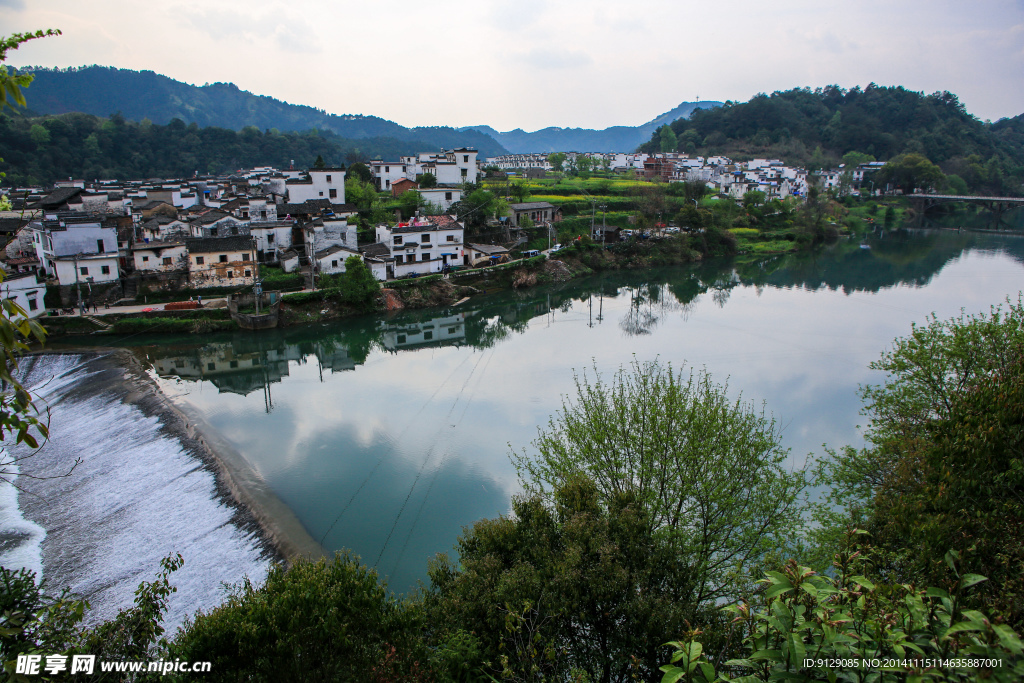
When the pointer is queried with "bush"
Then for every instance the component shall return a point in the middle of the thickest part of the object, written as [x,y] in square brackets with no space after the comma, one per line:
[816,628]
[328,620]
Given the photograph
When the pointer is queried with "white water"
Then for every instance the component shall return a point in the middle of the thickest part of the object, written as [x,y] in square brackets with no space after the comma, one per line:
[137,496]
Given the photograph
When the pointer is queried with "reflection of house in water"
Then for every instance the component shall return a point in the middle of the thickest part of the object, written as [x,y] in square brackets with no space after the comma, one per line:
[333,357]
[229,370]
[449,329]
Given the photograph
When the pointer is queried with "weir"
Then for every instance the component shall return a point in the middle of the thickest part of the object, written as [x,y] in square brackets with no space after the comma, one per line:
[142,491]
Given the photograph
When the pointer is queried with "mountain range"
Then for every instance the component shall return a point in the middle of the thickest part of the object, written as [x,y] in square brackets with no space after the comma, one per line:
[139,95]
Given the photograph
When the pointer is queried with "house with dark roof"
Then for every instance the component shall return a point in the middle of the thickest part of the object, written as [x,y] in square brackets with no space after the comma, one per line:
[221,261]
[27,292]
[537,212]
[423,245]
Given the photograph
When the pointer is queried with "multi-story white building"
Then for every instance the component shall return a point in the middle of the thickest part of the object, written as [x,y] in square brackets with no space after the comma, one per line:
[67,236]
[423,245]
[322,183]
[451,167]
[27,292]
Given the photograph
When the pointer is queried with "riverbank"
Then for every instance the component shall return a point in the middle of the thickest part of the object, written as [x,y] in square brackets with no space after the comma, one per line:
[153,480]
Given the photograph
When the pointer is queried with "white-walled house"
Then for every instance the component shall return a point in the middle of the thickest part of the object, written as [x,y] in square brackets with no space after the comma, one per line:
[423,245]
[83,268]
[272,239]
[322,183]
[451,167]
[441,196]
[332,260]
[221,261]
[73,234]
[27,292]
[160,257]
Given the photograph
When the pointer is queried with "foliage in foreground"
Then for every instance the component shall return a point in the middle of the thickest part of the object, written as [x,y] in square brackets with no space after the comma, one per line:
[328,620]
[709,470]
[812,627]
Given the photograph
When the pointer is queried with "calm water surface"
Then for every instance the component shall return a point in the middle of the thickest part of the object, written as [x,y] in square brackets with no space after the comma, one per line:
[388,434]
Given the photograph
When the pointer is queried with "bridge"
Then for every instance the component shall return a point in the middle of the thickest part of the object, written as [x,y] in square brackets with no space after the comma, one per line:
[997,205]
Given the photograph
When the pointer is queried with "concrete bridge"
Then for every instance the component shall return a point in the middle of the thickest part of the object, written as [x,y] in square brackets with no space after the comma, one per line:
[997,205]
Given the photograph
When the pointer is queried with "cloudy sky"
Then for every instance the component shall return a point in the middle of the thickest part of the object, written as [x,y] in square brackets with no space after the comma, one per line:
[537,63]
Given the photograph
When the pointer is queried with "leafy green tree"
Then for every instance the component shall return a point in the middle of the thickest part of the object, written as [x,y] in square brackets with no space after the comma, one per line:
[754,198]
[40,136]
[328,620]
[581,586]
[319,163]
[410,202]
[427,180]
[557,160]
[910,172]
[709,469]
[520,191]
[359,171]
[667,139]
[11,84]
[357,284]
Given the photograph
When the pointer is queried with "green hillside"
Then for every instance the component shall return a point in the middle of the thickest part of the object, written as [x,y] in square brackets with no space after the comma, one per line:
[140,95]
[40,150]
[815,128]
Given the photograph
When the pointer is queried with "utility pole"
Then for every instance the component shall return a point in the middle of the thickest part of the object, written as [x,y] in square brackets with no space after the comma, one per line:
[78,284]
[604,223]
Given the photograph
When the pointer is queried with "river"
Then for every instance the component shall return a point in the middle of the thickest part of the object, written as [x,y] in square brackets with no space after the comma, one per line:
[387,435]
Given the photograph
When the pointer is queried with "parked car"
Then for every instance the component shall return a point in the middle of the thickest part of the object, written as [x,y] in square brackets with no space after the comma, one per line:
[557,247]
[671,230]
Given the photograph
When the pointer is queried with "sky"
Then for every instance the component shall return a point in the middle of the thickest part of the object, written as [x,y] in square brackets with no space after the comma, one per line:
[536,63]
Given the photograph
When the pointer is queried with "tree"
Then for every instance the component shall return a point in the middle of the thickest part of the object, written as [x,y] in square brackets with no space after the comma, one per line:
[910,172]
[753,199]
[11,85]
[710,470]
[581,585]
[427,180]
[409,202]
[520,191]
[328,620]
[667,139]
[359,171]
[319,163]
[929,374]
[557,159]
[357,285]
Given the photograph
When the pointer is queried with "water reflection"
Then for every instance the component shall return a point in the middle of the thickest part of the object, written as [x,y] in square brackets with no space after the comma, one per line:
[386,434]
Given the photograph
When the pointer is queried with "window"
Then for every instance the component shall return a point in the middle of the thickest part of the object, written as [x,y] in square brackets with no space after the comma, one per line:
[248,273]
[425,238]
[167,260]
[427,336]
[334,263]
[270,238]
[105,270]
[84,270]
[333,193]
[451,238]
[401,339]
[425,256]
[398,240]
[387,169]
[453,330]
[223,258]
[231,274]
[464,173]
[233,364]
[32,304]
[465,158]
[211,366]
[321,194]
[398,259]
[99,246]
[234,229]
[145,259]
[448,196]
[328,178]
[245,257]
[200,260]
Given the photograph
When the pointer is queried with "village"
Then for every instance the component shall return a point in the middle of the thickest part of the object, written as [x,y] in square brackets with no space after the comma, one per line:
[101,243]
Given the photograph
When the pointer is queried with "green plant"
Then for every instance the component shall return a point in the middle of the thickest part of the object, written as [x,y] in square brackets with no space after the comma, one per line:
[813,627]
[708,468]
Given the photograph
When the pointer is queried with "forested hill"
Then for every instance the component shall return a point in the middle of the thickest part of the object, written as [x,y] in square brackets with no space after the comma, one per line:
[140,95]
[41,150]
[816,128]
[614,139]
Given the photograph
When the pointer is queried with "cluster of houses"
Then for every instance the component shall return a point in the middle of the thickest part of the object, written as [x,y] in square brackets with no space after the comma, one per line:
[105,240]
[721,174]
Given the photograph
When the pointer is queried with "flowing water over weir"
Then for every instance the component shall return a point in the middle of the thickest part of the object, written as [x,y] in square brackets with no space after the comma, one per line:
[143,490]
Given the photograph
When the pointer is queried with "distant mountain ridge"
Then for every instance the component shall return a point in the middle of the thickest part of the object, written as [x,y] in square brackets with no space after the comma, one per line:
[613,139]
[138,95]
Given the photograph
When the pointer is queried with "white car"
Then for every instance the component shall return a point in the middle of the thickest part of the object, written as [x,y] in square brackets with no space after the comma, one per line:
[557,247]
